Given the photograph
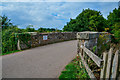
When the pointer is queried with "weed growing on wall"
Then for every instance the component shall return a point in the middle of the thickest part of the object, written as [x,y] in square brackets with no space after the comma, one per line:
[103,43]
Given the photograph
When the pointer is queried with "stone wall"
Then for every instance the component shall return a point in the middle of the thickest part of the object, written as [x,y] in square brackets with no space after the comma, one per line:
[90,39]
[38,39]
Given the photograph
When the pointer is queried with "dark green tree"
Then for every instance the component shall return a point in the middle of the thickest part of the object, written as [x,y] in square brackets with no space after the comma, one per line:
[114,23]
[41,30]
[113,18]
[30,28]
[9,43]
[88,20]
[5,23]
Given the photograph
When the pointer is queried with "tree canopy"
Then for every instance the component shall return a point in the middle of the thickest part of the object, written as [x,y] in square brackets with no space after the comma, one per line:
[5,23]
[87,20]
[114,23]
[113,18]
[30,28]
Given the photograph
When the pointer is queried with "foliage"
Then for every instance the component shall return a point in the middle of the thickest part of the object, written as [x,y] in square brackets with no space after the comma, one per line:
[6,23]
[73,72]
[88,20]
[9,43]
[29,28]
[24,37]
[103,43]
[116,32]
[94,48]
[114,24]
[45,30]
[113,17]
[41,30]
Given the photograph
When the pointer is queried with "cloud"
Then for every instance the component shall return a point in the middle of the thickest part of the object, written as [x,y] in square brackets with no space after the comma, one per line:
[59,0]
[50,14]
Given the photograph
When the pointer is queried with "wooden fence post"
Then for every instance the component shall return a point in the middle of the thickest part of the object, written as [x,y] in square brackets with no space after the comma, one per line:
[109,62]
[18,45]
[118,65]
[78,51]
[103,70]
[82,49]
[115,66]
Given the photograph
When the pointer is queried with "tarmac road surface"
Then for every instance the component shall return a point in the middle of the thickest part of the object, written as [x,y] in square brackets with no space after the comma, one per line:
[41,62]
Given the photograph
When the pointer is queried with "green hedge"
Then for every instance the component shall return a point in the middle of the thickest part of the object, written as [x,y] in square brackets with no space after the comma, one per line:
[9,42]
[10,38]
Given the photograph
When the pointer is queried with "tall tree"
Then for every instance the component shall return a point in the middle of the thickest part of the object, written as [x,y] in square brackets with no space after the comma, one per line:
[113,18]
[8,34]
[114,23]
[5,23]
[30,28]
[88,20]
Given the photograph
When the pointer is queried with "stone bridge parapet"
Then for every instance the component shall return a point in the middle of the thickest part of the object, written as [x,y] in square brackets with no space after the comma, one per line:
[90,39]
[38,39]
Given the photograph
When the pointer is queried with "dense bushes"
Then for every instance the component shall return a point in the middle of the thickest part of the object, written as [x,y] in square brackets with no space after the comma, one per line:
[114,24]
[116,32]
[9,42]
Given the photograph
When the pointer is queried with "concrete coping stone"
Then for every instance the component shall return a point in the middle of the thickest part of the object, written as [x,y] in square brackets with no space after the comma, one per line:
[88,35]
[32,33]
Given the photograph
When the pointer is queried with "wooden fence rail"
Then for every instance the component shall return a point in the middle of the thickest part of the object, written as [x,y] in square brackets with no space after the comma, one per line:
[90,73]
[94,57]
[108,65]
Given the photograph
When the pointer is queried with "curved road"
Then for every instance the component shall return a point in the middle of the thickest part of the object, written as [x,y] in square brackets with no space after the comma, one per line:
[41,62]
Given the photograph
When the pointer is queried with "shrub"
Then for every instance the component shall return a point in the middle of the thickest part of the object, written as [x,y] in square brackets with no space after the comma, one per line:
[9,42]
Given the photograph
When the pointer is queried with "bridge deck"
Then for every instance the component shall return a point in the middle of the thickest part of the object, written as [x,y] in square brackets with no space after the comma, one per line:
[41,62]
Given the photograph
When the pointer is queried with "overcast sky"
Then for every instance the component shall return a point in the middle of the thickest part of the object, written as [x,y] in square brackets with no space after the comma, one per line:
[50,14]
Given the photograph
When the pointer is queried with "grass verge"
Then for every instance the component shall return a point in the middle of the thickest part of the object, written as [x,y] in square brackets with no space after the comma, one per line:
[10,52]
[73,71]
